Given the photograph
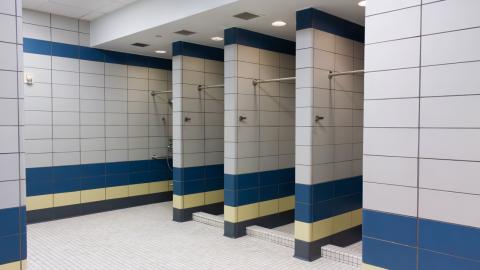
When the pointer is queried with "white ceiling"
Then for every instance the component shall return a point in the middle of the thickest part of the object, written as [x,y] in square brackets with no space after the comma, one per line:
[80,9]
[212,22]
[155,21]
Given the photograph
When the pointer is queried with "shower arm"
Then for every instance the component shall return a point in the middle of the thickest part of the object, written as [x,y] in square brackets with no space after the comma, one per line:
[202,87]
[154,93]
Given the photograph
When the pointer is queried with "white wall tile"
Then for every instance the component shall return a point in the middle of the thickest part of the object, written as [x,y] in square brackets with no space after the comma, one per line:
[449,175]
[64,36]
[451,47]
[35,17]
[379,6]
[393,84]
[452,111]
[399,24]
[403,53]
[448,207]
[69,158]
[391,141]
[446,16]
[391,199]
[461,144]
[453,79]
[8,31]
[394,113]
[8,54]
[390,170]
[9,166]
[65,23]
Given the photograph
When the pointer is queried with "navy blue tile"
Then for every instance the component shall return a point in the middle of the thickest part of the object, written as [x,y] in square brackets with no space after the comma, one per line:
[65,50]
[117,167]
[196,50]
[453,239]
[10,249]
[67,185]
[258,40]
[286,175]
[139,165]
[115,57]
[323,210]
[193,173]
[346,204]
[267,193]
[23,219]
[323,191]
[268,178]
[303,212]
[9,221]
[194,186]
[178,174]
[178,187]
[247,196]
[113,180]
[214,171]
[91,54]
[229,181]
[37,46]
[286,189]
[247,181]
[229,197]
[139,177]
[390,227]
[160,63]
[428,260]
[389,255]
[92,169]
[314,18]
[213,184]
[304,194]
[39,181]
[66,172]
[160,175]
[93,182]
[348,186]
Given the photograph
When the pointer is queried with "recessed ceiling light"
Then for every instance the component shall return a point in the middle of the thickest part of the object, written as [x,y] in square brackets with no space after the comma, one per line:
[362,3]
[160,51]
[217,38]
[279,23]
[158,36]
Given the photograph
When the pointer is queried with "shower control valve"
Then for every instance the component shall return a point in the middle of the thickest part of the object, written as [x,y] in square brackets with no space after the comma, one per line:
[242,118]
[318,118]
[187,119]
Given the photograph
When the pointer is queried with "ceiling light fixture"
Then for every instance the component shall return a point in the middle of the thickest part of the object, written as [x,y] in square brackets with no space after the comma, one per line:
[160,51]
[362,3]
[279,23]
[217,38]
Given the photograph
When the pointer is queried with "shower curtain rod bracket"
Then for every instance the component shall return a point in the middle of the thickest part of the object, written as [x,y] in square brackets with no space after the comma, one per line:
[255,82]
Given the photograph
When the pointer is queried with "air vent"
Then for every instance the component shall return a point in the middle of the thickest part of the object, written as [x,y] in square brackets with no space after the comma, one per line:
[185,32]
[246,16]
[138,44]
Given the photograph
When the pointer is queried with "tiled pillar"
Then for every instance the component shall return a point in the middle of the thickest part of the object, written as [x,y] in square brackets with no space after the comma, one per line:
[422,148]
[259,148]
[197,130]
[13,249]
[329,113]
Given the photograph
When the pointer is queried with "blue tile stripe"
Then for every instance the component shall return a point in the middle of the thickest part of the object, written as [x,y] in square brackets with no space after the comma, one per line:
[196,50]
[324,200]
[12,234]
[388,241]
[59,179]
[314,18]
[255,187]
[92,54]
[199,179]
[258,40]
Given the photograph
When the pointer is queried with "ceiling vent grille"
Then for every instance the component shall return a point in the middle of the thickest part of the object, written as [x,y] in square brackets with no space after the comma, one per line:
[246,16]
[138,44]
[185,32]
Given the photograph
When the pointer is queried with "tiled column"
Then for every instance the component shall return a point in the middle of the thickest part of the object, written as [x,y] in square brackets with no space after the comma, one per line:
[259,131]
[329,119]
[197,130]
[13,250]
[422,152]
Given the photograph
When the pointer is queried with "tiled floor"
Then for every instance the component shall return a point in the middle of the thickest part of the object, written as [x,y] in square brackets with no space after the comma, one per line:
[146,238]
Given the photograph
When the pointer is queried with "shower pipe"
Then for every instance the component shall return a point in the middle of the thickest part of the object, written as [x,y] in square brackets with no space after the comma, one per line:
[258,81]
[154,93]
[201,87]
[333,74]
